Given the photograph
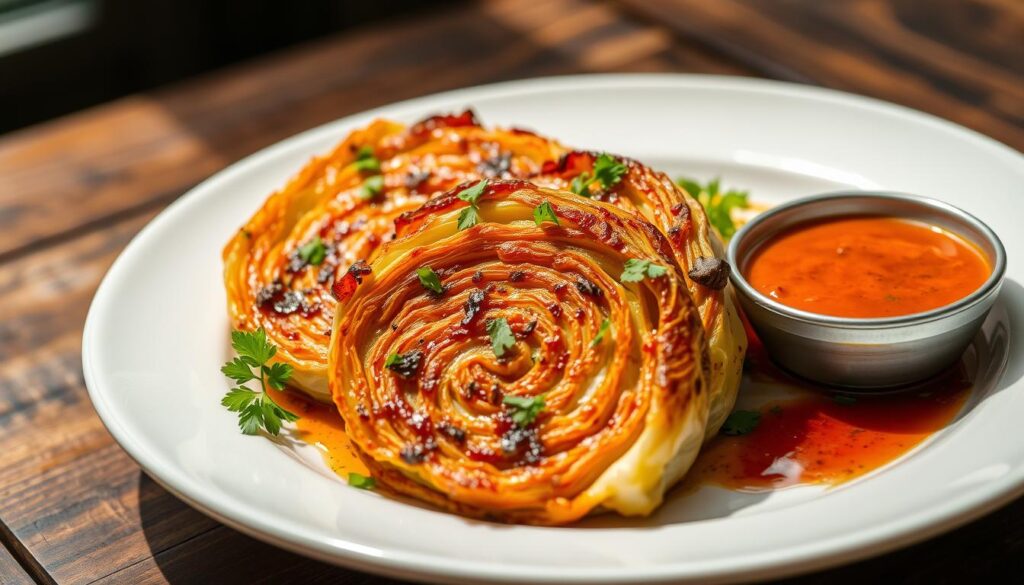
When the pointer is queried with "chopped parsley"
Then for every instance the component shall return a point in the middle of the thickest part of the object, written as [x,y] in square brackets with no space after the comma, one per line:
[741,422]
[718,205]
[523,409]
[544,212]
[366,162]
[404,364]
[472,194]
[313,252]
[358,480]
[372,187]
[256,410]
[430,280]
[502,338]
[470,216]
[605,326]
[607,172]
[636,270]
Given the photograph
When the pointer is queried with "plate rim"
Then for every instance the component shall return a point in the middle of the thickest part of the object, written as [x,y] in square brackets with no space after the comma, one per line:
[902,531]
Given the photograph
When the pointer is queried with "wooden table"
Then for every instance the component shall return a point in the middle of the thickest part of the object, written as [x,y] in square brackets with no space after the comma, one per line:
[75,509]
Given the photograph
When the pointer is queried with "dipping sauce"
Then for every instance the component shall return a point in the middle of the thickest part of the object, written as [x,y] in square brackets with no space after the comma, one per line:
[866,266]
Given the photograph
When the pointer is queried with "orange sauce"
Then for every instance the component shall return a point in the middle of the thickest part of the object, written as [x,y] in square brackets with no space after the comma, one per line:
[818,438]
[320,425]
[865,267]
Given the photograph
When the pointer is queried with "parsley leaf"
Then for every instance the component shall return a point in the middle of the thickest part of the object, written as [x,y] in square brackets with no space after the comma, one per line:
[251,418]
[636,270]
[717,205]
[607,172]
[313,252]
[404,364]
[256,410]
[253,347]
[472,194]
[605,326]
[372,187]
[581,184]
[523,409]
[238,371]
[502,338]
[741,422]
[366,161]
[277,375]
[236,400]
[544,212]
[469,217]
[360,481]
[430,280]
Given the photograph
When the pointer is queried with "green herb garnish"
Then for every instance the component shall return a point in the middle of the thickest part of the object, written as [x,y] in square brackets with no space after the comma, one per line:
[430,280]
[404,364]
[844,399]
[360,481]
[544,212]
[366,162]
[522,409]
[470,216]
[636,270]
[502,338]
[716,204]
[256,410]
[605,325]
[313,251]
[472,194]
[741,422]
[372,187]
[607,172]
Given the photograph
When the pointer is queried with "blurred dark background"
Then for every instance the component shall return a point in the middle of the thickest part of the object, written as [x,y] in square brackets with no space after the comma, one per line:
[58,56]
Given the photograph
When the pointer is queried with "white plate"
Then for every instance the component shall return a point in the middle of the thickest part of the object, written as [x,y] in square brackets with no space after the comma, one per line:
[156,336]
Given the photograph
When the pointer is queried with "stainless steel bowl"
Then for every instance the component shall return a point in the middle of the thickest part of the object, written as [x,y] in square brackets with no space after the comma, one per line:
[865,353]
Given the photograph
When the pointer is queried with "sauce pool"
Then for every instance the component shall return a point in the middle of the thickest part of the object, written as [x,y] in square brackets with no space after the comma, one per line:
[816,438]
[866,267]
[320,425]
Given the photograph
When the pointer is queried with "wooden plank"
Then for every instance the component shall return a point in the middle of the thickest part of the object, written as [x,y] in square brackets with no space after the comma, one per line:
[68,494]
[76,173]
[75,191]
[11,572]
[911,53]
[223,555]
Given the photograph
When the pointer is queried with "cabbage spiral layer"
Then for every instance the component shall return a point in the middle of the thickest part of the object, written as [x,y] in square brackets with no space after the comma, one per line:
[598,399]
[655,197]
[279,267]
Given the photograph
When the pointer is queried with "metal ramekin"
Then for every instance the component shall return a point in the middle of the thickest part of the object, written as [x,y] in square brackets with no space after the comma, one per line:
[866,353]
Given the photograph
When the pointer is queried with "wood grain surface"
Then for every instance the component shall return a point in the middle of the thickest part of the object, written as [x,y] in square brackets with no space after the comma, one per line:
[75,509]
[10,571]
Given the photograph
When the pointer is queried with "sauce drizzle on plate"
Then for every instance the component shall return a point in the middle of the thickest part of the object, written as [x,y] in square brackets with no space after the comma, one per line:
[816,438]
